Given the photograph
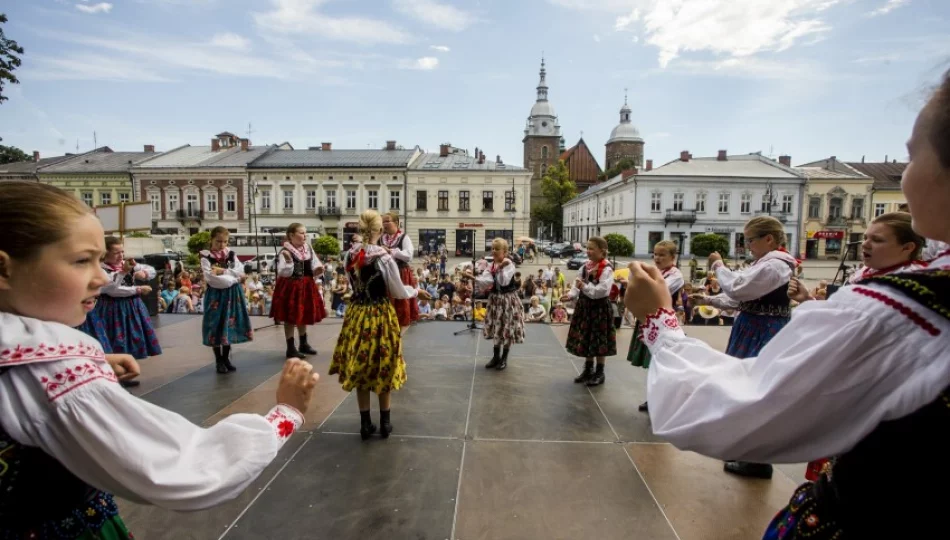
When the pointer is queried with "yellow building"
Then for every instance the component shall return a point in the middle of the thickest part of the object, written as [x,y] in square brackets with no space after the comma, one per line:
[99,177]
[887,185]
[836,208]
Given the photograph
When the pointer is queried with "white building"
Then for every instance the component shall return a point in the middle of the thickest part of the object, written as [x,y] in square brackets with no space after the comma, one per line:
[690,196]
[464,202]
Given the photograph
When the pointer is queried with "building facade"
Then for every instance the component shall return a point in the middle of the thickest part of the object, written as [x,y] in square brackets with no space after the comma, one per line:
[625,141]
[464,202]
[98,178]
[688,197]
[835,210]
[26,171]
[581,165]
[887,195]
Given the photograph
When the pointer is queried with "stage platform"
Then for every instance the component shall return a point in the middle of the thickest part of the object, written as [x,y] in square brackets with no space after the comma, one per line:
[476,455]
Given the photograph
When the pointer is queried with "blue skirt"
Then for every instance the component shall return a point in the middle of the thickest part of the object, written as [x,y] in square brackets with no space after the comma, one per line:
[94,327]
[226,320]
[128,326]
[750,334]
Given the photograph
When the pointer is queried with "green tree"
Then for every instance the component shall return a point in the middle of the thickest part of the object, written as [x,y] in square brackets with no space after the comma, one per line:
[557,188]
[702,245]
[12,154]
[327,246]
[199,241]
[622,165]
[192,260]
[140,234]
[10,53]
[619,245]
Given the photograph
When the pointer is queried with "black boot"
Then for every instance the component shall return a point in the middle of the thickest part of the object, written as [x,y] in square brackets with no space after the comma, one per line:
[751,470]
[504,360]
[495,359]
[305,347]
[598,377]
[366,425]
[587,373]
[385,426]
[218,361]
[644,407]
[292,350]
[226,358]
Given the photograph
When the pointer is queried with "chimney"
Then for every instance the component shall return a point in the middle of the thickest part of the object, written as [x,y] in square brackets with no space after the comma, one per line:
[390,145]
[244,144]
[785,160]
[36,155]
[627,173]
[476,152]
[215,145]
[649,164]
[481,158]
[684,155]
[721,156]
[498,159]
[325,146]
[443,150]
[862,159]
[149,147]
[885,158]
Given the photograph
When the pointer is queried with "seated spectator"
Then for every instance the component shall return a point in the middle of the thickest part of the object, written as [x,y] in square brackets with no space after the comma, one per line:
[559,314]
[536,312]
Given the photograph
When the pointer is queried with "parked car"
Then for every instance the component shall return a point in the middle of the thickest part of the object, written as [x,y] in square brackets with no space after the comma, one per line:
[577,261]
[565,251]
[266,263]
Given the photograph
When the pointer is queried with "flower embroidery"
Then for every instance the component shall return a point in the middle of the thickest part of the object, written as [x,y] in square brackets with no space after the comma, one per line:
[650,330]
[811,520]
[74,376]
[44,352]
[285,428]
[284,425]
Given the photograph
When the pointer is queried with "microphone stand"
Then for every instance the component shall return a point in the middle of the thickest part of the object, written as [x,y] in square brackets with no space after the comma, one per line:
[842,268]
[472,326]
[270,231]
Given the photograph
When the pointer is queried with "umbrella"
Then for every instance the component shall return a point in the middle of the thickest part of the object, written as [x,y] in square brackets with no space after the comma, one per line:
[525,240]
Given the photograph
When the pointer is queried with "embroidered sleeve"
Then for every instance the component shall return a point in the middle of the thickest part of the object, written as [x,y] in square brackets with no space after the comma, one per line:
[223,281]
[753,282]
[663,322]
[387,266]
[506,274]
[600,289]
[284,268]
[404,253]
[116,289]
[285,420]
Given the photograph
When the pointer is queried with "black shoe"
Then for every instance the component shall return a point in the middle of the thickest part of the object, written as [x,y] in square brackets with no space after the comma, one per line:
[495,359]
[129,384]
[366,430]
[586,374]
[644,407]
[305,347]
[597,379]
[226,359]
[750,470]
[385,428]
[292,351]
[503,363]
[219,362]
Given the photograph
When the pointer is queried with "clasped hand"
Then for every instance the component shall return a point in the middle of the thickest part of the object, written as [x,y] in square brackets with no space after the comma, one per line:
[647,292]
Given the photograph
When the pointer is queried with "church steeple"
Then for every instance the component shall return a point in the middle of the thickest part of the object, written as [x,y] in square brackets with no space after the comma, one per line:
[542,121]
[542,85]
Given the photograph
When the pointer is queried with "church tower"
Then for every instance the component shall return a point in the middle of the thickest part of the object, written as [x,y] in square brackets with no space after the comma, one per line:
[542,140]
[625,141]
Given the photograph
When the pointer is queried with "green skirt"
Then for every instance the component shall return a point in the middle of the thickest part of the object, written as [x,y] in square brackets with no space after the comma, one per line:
[98,519]
[639,354]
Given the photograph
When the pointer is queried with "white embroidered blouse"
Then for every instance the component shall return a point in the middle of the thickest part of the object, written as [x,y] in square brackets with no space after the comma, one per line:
[232,274]
[115,287]
[764,276]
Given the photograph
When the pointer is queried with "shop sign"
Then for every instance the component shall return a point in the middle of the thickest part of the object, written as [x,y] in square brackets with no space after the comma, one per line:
[830,235]
[725,230]
[470,225]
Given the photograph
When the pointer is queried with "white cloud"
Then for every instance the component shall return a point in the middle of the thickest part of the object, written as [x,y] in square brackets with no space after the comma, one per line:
[227,40]
[440,48]
[426,63]
[597,38]
[751,67]
[440,15]
[301,17]
[101,7]
[890,6]
[625,21]
[90,67]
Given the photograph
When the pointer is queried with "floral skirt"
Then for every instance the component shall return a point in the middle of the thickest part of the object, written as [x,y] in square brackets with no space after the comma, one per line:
[128,326]
[803,518]
[98,519]
[94,327]
[592,330]
[297,301]
[407,309]
[639,354]
[368,353]
[504,319]
[751,333]
[226,320]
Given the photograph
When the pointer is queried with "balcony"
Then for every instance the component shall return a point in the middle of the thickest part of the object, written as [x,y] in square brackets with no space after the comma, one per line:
[781,216]
[329,211]
[189,214]
[680,216]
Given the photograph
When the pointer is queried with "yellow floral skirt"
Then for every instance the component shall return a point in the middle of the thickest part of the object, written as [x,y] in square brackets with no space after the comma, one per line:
[368,353]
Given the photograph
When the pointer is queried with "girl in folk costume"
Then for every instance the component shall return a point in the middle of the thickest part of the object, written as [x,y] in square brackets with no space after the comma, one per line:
[664,257]
[368,353]
[297,299]
[120,306]
[592,334]
[504,321]
[864,377]
[225,321]
[397,243]
[63,419]
[760,293]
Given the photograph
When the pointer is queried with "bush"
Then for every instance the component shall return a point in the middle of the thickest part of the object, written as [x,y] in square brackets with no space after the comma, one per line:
[619,245]
[326,246]
[192,259]
[703,245]
[199,241]
[140,234]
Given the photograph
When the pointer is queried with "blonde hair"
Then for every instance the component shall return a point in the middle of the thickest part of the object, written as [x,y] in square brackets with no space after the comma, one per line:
[370,222]
[35,215]
[500,242]
[900,224]
[766,226]
[670,247]
[393,215]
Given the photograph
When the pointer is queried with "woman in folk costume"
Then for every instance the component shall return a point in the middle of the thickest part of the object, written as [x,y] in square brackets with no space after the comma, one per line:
[504,320]
[890,245]
[225,321]
[64,421]
[297,299]
[760,294]
[664,257]
[368,353]
[398,244]
[864,377]
[592,333]
[120,306]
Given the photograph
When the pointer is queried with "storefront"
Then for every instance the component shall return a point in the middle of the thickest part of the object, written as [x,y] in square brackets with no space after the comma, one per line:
[430,240]
[823,244]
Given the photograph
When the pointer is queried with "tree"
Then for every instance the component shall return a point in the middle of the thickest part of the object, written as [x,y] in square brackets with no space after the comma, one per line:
[10,53]
[703,244]
[199,241]
[622,165]
[557,188]
[12,154]
[619,245]
[326,246]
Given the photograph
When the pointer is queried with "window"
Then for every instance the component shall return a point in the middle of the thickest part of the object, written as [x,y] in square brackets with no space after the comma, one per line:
[491,234]
[124,197]
[351,199]
[857,209]
[620,210]
[787,201]
[394,200]
[678,199]
[311,199]
[288,199]
[613,206]
[422,200]
[172,202]
[880,209]
[105,198]
[488,199]
[766,201]
[372,199]
[230,202]
[701,203]
[656,200]
[745,203]
[464,201]
[87,198]
[834,208]
[191,204]
[331,199]
[723,203]
[211,201]
[156,199]
[265,200]
[814,207]
[443,200]
[509,201]
[544,153]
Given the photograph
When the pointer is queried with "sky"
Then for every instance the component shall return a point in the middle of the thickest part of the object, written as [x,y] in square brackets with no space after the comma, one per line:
[807,78]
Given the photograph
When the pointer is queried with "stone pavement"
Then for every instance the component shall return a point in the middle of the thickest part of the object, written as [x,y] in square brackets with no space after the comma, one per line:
[521,454]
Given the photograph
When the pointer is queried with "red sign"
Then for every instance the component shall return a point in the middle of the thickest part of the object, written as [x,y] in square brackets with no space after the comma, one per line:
[352,225]
[470,225]
[830,235]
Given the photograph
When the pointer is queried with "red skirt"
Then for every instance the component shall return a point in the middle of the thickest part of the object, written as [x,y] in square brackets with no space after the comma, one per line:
[297,301]
[407,309]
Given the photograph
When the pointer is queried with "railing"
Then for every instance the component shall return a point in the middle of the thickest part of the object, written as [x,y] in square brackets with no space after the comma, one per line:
[329,211]
[288,210]
[781,216]
[190,215]
[680,216]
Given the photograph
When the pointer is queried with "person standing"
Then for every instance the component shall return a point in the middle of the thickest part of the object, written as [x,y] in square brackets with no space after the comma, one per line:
[504,320]
[592,334]
[297,300]
[397,243]
[120,306]
[225,321]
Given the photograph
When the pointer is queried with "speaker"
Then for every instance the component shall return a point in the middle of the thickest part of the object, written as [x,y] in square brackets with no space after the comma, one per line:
[151,299]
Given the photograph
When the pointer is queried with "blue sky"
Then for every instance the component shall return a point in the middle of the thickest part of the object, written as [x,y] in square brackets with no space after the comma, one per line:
[809,78]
